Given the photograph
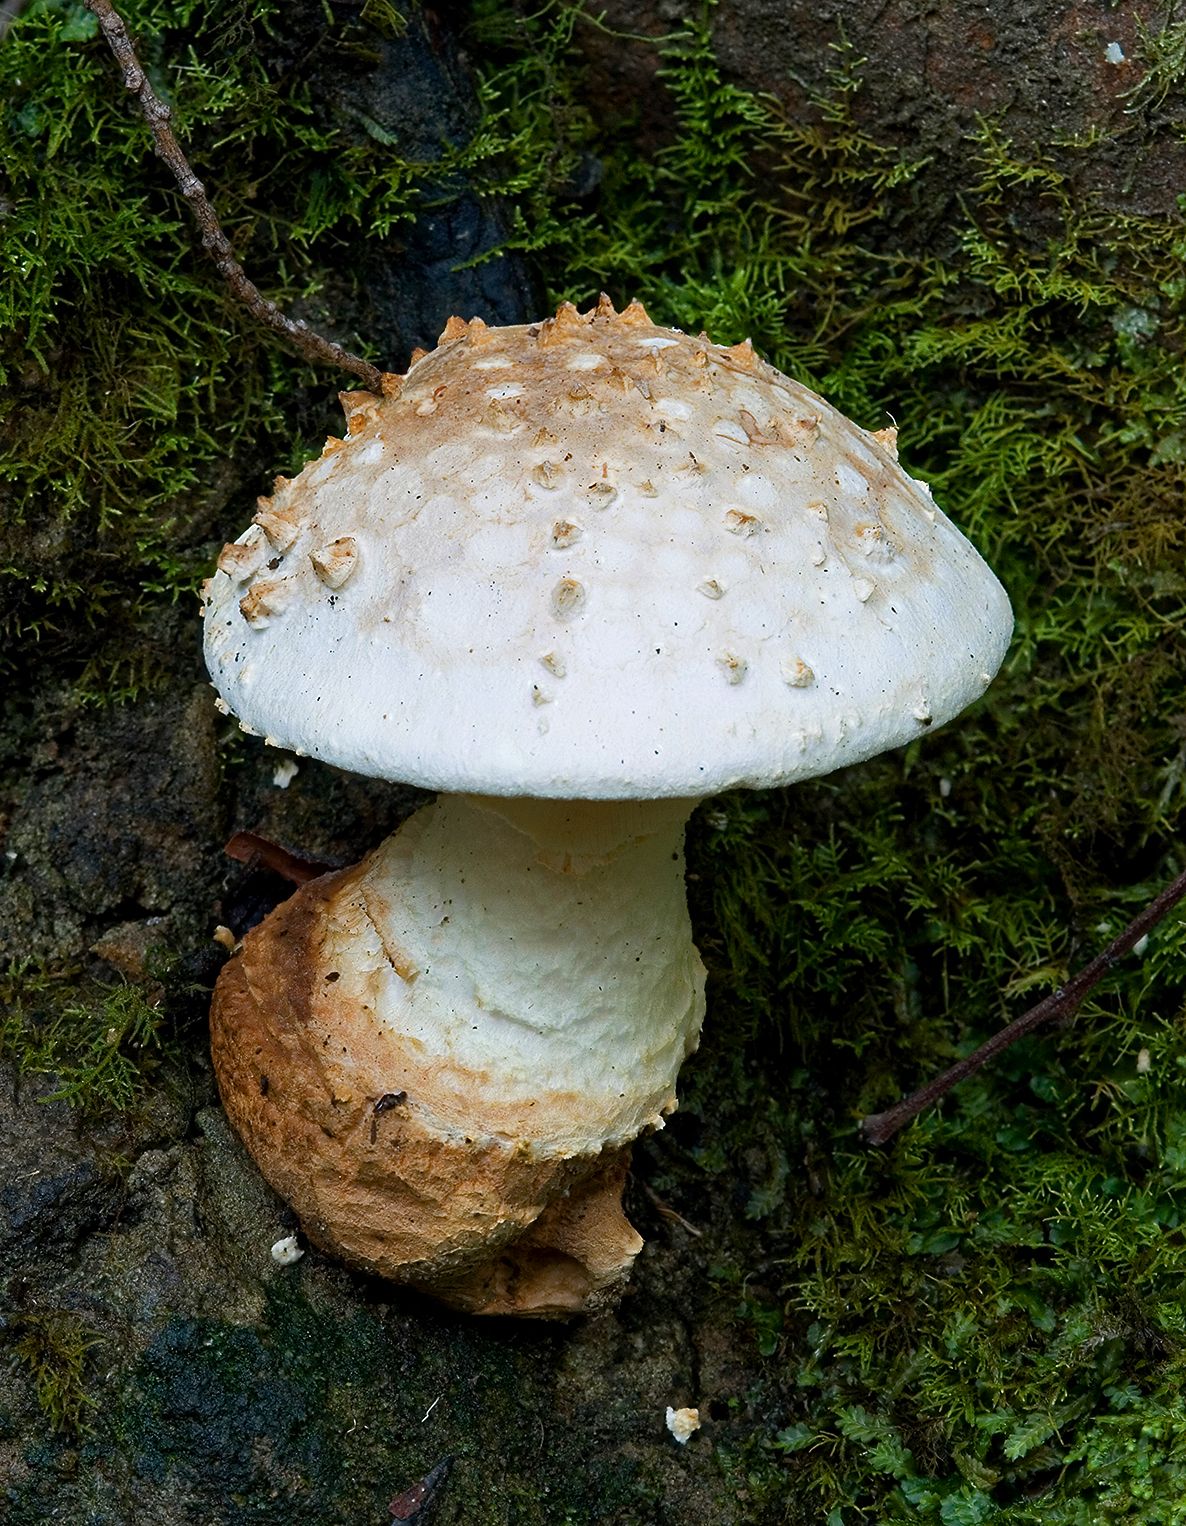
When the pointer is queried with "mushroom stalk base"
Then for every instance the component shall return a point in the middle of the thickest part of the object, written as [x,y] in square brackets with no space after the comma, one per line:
[440,1056]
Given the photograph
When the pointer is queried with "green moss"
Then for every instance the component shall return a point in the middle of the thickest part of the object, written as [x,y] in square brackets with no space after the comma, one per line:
[102,1043]
[53,1348]
[134,395]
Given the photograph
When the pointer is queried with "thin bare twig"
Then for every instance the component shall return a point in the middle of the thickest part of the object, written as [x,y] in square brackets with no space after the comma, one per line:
[158,116]
[668,1212]
[878,1128]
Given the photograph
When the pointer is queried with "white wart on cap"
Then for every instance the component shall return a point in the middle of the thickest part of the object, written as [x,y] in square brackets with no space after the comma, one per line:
[594,558]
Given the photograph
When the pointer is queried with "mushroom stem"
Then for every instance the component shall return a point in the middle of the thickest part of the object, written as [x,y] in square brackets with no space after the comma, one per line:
[441,1055]
[538,956]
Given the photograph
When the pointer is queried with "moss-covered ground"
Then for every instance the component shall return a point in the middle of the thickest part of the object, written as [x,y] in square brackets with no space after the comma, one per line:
[986,1321]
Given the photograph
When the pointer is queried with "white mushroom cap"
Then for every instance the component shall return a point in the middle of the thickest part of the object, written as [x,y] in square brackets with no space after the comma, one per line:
[593,558]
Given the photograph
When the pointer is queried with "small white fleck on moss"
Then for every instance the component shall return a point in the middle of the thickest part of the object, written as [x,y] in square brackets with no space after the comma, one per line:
[285,772]
[285,1252]
[683,1423]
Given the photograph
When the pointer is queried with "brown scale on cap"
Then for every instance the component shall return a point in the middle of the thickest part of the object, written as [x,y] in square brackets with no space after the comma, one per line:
[888,440]
[603,494]
[796,673]
[874,542]
[357,402]
[577,402]
[634,314]
[738,522]
[565,325]
[361,409]
[280,525]
[335,562]
[568,597]
[733,667]
[455,328]
[548,475]
[241,559]
[565,532]
[500,418]
[262,601]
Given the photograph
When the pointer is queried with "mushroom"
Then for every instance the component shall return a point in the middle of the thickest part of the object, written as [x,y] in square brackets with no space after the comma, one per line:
[575,576]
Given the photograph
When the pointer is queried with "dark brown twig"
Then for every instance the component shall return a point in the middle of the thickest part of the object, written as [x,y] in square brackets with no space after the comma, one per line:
[666,1211]
[158,116]
[878,1128]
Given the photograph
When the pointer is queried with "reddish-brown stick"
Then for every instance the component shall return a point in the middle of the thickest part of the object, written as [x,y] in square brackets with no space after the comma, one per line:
[312,346]
[250,847]
[878,1128]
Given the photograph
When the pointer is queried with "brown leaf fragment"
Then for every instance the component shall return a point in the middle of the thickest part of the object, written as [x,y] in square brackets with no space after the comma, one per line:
[412,1504]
